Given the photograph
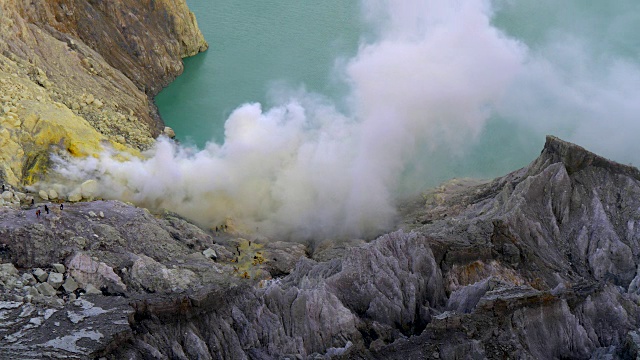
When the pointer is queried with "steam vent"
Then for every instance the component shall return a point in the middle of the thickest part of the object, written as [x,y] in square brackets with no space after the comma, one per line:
[308,233]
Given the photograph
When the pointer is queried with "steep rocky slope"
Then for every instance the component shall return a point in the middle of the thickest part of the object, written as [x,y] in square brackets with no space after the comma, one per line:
[77,74]
[538,264]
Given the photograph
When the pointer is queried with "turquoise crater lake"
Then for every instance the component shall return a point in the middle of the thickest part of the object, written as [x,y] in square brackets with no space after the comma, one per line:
[254,46]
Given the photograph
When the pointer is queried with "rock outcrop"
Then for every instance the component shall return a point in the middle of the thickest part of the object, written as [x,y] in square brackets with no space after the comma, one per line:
[540,263]
[77,74]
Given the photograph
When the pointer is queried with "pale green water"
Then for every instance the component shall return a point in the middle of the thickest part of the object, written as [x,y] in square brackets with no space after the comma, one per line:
[253,45]
[589,99]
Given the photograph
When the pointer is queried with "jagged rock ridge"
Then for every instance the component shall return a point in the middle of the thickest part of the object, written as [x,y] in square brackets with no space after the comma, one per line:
[540,263]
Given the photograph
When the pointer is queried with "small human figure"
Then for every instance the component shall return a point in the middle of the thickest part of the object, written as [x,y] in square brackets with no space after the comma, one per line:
[38,213]
[61,206]
[46,209]
[2,187]
[216,229]
[33,201]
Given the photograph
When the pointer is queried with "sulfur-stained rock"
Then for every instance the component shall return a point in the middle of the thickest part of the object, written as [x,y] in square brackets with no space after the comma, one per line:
[75,196]
[169,132]
[43,195]
[89,189]
[7,195]
[52,194]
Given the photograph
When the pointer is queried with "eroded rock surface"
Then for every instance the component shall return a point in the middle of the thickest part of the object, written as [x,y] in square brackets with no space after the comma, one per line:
[539,264]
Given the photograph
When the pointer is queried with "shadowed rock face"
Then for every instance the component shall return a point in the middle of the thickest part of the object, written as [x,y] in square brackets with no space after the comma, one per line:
[538,264]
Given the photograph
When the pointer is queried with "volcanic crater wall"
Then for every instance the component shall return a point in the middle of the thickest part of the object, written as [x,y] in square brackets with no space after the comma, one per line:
[76,74]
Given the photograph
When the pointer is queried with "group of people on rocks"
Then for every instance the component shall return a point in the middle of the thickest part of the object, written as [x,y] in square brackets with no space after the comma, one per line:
[222,227]
[46,208]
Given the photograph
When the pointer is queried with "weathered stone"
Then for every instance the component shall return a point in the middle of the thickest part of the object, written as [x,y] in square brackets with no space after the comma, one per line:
[59,268]
[28,279]
[85,271]
[40,274]
[46,289]
[75,196]
[169,132]
[7,195]
[154,276]
[91,290]
[33,291]
[70,284]
[7,271]
[210,253]
[52,194]
[55,280]
[89,189]
[43,195]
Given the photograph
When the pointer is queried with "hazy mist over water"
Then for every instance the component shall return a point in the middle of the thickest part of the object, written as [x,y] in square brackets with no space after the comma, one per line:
[322,116]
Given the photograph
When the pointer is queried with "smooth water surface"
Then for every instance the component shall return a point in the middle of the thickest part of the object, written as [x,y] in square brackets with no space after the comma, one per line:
[254,46]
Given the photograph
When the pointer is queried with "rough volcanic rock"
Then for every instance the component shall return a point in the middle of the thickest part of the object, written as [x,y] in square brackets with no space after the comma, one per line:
[535,265]
[539,264]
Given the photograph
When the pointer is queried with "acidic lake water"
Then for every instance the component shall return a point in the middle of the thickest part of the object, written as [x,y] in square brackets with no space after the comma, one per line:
[576,75]
[255,46]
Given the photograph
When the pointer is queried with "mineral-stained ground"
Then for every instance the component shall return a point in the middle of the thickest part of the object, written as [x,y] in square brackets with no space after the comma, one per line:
[541,263]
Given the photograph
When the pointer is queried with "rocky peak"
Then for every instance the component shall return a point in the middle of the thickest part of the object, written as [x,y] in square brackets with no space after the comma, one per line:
[576,158]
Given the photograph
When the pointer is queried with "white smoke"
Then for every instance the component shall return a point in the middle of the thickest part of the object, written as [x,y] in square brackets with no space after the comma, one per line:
[437,72]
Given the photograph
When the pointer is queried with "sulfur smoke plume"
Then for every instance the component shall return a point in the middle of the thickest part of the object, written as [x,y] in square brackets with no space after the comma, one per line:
[436,74]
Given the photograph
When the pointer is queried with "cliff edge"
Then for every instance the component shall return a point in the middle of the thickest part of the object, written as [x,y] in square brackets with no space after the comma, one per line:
[541,263]
[77,74]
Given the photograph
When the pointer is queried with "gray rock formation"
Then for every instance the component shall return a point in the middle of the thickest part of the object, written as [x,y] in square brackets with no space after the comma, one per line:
[539,264]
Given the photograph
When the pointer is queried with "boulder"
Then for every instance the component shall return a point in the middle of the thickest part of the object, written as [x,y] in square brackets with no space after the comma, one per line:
[75,196]
[40,274]
[33,291]
[59,268]
[210,253]
[52,194]
[89,289]
[55,280]
[154,276]
[86,270]
[89,189]
[169,132]
[7,195]
[28,279]
[7,271]
[43,195]
[46,289]
[70,285]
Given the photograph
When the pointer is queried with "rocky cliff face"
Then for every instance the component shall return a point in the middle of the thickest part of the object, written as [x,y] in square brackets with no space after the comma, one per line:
[78,73]
[539,264]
